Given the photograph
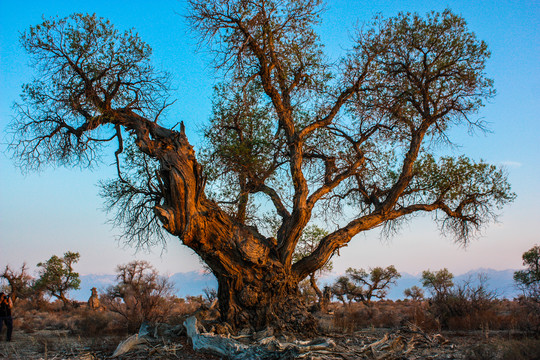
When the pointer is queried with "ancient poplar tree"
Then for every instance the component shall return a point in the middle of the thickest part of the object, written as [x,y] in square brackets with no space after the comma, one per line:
[291,130]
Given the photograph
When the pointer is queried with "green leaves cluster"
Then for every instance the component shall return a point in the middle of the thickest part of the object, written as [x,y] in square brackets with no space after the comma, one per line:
[529,279]
[363,285]
[86,68]
[310,239]
[57,275]
[439,283]
[116,65]
[240,135]
[472,190]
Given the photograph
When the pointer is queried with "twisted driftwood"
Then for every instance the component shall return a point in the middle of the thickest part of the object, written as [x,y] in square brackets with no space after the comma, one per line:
[267,348]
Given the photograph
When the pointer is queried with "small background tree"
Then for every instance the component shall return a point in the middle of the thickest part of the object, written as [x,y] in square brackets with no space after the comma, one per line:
[140,294]
[414,292]
[438,283]
[56,276]
[375,283]
[528,280]
[20,283]
[361,285]
[344,290]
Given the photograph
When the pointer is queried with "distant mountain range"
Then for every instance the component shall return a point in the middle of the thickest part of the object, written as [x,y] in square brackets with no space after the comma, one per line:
[194,282]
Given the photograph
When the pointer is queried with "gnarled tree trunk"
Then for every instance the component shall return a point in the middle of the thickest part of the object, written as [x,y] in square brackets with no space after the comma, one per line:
[255,287]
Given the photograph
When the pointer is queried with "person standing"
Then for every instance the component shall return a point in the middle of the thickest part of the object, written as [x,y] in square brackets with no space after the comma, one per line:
[5,314]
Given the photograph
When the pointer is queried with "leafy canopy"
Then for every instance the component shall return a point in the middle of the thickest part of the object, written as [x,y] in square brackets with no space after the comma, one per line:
[356,125]
[292,134]
[529,279]
[439,283]
[56,275]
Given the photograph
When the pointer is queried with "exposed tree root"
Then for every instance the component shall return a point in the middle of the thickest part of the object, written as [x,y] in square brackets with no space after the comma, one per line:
[266,348]
[408,342]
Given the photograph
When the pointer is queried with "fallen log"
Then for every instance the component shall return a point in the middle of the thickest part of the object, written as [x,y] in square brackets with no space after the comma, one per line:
[127,345]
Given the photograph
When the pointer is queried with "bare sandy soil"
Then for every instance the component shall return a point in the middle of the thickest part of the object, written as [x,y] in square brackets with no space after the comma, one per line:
[58,344]
[365,344]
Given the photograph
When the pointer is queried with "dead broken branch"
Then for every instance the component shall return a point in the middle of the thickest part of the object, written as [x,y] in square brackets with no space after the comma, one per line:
[408,342]
[266,348]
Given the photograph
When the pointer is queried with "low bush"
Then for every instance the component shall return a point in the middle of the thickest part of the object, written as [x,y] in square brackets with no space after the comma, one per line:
[524,349]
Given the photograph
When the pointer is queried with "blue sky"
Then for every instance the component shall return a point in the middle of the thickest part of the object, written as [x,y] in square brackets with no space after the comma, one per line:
[57,210]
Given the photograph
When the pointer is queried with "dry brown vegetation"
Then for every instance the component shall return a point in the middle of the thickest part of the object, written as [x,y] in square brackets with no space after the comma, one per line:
[384,329]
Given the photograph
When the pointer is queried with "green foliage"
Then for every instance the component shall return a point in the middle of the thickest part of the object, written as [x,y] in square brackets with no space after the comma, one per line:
[85,67]
[344,290]
[529,279]
[310,239]
[362,285]
[475,189]
[239,156]
[438,283]
[240,132]
[374,282]
[436,54]
[57,277]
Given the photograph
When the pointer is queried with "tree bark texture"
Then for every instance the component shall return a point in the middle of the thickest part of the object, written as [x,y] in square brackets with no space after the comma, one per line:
[255,287]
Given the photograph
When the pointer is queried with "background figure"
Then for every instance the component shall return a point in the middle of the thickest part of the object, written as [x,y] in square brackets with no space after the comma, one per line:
[5,314]
[93,301]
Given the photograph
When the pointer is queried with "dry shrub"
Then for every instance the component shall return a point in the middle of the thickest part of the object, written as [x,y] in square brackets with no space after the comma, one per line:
[344,322]
[483,320]
[524,349]
[85,322]
[380,314]
[387,319]
[452,313]
[46,345]
[525,314]
[140,294]
[417,313]
[80,321]
[467,307]
[180,309]
[92,323]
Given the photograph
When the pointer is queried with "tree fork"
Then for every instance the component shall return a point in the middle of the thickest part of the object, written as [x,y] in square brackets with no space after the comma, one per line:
[254,285]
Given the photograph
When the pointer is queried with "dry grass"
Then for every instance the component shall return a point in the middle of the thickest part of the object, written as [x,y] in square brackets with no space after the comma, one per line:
[502,315]
[50,332]
[524,349]
[79,333]
[82,321]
